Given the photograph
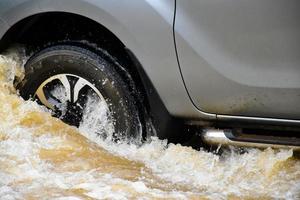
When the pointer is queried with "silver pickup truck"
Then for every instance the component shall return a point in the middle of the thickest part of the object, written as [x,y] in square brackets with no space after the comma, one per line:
[229,68]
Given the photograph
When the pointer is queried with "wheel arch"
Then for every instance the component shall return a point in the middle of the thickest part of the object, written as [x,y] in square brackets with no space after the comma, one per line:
[30,32]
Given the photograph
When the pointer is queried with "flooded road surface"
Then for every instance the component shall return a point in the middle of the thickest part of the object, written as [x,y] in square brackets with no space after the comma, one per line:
[43,158]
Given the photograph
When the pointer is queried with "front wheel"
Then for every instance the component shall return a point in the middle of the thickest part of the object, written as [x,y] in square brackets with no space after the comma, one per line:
[84,89]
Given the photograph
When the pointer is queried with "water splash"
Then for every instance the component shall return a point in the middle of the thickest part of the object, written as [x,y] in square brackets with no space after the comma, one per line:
[43,158]
[96,122]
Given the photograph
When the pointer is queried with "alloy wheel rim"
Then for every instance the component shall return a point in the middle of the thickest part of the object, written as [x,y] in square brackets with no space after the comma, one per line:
[68,105]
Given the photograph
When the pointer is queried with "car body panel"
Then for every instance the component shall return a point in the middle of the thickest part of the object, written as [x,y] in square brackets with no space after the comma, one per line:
[241,57]
[15,10]
[145,27]
[4,26]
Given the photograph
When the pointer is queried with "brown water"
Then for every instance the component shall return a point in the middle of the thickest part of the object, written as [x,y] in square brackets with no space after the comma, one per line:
[43,158]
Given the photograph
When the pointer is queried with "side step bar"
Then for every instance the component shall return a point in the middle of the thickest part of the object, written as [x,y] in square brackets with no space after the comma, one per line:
[231,138]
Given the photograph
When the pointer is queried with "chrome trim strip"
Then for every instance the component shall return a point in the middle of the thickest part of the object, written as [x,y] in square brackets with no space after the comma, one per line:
[218,137]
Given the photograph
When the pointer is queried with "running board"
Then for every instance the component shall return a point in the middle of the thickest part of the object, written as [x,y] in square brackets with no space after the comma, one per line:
[230,138]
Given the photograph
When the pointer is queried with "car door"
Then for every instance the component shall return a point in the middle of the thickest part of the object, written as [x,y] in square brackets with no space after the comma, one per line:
[241,57]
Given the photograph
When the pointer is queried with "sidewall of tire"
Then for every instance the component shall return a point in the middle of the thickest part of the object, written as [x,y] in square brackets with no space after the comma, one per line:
[94,68]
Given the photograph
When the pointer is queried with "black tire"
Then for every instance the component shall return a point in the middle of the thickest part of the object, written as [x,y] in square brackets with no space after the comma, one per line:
[95,68]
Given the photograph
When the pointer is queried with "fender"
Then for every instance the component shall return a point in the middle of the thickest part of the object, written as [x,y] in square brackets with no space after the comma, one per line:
[145,27]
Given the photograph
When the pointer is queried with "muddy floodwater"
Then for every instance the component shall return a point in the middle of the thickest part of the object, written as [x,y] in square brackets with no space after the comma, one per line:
[43,158]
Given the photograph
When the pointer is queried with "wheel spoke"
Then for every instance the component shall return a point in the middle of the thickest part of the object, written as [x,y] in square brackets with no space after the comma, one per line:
[42,97]
[77,87]
[66,84]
